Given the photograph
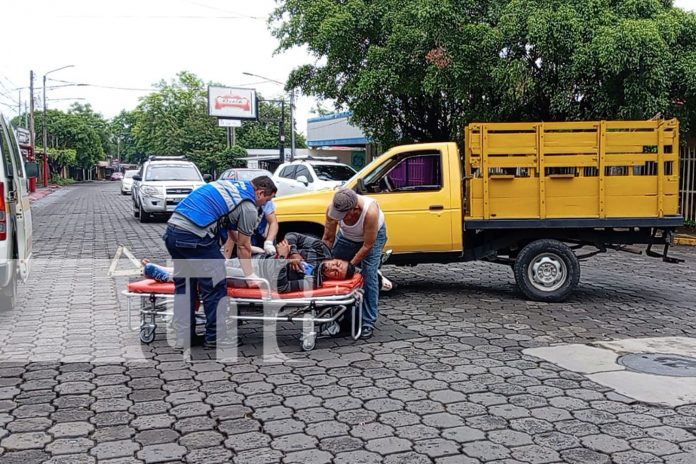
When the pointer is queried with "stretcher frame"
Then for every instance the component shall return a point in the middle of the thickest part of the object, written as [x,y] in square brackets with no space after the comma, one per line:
[308,310]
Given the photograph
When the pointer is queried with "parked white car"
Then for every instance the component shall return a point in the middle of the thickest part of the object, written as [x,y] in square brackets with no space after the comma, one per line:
[161,183]
[15,218]
[127,181]
[310,175]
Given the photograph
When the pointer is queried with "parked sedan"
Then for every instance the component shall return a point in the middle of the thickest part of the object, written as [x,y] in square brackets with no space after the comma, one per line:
[310,175]
[243,174]
[127,181]
[116,176]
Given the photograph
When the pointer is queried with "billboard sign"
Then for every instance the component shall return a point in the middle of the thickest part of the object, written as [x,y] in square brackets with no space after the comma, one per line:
[232,102]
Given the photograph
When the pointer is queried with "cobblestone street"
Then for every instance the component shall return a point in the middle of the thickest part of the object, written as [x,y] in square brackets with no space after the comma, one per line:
[444,379]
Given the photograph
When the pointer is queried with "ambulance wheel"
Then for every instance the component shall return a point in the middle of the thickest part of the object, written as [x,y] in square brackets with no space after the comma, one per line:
[147,335]
[309,342]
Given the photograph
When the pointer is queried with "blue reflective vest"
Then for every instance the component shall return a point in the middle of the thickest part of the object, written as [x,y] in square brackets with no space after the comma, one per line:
[212,202]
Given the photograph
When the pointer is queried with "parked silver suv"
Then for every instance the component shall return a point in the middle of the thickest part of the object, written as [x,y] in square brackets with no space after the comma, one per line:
[161,183]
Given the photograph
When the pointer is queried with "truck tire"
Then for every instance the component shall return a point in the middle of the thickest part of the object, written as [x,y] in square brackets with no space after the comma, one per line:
[144,217]
[136,211]
[547,270]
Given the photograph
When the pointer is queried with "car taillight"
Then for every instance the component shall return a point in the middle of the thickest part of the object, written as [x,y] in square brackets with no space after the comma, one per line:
[3,213]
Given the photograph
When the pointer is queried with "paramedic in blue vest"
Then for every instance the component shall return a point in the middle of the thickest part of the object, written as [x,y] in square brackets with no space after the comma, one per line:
[193,241]
[360,240]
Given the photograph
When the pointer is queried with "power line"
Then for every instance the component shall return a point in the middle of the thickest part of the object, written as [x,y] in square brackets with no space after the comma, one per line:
[210,7]
[81,84]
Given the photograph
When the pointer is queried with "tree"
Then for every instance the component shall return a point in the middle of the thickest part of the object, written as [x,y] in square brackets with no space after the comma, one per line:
[174,121]
[419,70]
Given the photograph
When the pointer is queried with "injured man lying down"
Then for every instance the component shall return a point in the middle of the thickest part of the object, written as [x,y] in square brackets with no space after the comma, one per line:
[301,263]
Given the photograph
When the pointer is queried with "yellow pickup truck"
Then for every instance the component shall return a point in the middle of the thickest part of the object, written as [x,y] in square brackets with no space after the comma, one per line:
[537,196]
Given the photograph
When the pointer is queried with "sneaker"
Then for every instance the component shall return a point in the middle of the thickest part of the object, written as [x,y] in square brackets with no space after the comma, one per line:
[196,340]
[366,333]
[232,342]
[329,329]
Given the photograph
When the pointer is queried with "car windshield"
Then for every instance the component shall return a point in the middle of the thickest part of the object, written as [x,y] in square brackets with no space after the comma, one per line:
[129,174]
[173,172]
[249,174]
[339,172]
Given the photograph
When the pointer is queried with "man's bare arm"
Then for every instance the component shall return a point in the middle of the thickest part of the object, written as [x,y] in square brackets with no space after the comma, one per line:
[370,235]
[330,227]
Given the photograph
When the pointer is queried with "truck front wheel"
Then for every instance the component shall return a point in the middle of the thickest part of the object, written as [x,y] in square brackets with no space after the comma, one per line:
[547,270]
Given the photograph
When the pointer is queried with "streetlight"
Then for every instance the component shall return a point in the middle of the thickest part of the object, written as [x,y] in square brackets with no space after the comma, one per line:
[292,111]
[45,125]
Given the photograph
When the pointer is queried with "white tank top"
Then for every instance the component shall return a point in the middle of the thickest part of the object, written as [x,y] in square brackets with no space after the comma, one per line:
[356,232]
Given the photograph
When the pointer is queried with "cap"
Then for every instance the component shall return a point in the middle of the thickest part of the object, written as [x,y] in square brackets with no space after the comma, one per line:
[344,200]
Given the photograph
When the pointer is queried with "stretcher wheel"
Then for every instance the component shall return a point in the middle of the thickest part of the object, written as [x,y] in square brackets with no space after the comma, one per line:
[309,342]
[147,335]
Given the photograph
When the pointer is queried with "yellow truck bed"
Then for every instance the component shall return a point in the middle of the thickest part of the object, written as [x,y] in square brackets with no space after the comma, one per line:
[557,170]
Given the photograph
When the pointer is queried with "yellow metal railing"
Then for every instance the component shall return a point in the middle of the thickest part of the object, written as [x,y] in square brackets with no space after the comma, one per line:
[596,169]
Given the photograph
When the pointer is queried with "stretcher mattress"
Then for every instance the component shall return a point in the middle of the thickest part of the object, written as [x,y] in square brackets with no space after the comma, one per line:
[329,288]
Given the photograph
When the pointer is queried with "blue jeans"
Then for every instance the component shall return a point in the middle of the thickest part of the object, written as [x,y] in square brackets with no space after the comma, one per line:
[346,249]
[199,274]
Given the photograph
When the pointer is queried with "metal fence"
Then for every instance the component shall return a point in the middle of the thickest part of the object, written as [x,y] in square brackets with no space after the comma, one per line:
[688,183]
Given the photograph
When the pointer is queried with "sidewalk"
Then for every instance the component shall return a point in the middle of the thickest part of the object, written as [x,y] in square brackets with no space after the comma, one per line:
[685,236]
[42,192]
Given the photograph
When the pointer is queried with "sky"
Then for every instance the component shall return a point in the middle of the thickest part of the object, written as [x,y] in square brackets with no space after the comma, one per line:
[122,47]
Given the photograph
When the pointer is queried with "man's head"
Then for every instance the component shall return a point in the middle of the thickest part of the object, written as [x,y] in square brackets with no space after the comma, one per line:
[265,189]
[345,203]
[337,269]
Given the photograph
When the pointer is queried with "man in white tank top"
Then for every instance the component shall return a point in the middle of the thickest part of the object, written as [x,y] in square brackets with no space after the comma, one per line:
[361,241]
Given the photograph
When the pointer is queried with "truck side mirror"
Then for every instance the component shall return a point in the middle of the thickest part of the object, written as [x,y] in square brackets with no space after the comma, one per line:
[137,177]
[32,169]
[360,187]
[303,179]
[207,178]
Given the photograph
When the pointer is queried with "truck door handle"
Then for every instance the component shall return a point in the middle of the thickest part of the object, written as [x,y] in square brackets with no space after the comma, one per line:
[436,207]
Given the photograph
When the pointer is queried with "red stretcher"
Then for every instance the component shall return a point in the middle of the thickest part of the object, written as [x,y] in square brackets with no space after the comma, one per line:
[313,308]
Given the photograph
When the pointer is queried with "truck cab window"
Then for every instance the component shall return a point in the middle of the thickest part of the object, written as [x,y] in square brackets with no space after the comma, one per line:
[411,172]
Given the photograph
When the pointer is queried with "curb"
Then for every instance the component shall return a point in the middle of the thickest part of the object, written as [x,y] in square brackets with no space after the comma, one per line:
[685,240]
[39,194]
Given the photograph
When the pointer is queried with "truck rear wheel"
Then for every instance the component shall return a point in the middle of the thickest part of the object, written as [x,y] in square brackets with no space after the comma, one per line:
[547,270]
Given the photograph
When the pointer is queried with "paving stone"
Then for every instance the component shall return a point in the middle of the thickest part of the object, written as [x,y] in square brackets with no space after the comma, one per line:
[283,427]
[535,454]
[238,426]
[156,437]
[358,457]
[337,445]
[485,450]
[654,446]
[463,434]
[214,455]
[155,421]
[436,447]
[247,441]
[71,459]
[32,424]
[634,457]
[161,453]
[258,456]
[194,424]
[204,439]
[509,438]
[327,429]
[605,444]
[557,441]
[584,456]
[33,456]
[409,457]
[114,449]
[25,441]
[114,433]
[388,445]
[309,457]
[69,446]
[294,442]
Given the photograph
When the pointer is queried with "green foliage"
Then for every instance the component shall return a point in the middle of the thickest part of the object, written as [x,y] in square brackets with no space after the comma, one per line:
[419,70]
[57,180]
[174,121]
[68,133]
[215,163]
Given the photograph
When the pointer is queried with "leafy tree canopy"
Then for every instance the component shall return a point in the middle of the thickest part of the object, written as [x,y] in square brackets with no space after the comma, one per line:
[419,70]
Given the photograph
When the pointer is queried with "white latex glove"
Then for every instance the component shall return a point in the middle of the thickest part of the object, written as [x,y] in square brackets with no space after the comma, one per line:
[269,248]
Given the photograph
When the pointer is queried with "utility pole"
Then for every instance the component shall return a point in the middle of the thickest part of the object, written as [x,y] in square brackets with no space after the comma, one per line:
[282,132]
[31,110]
[292,125]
